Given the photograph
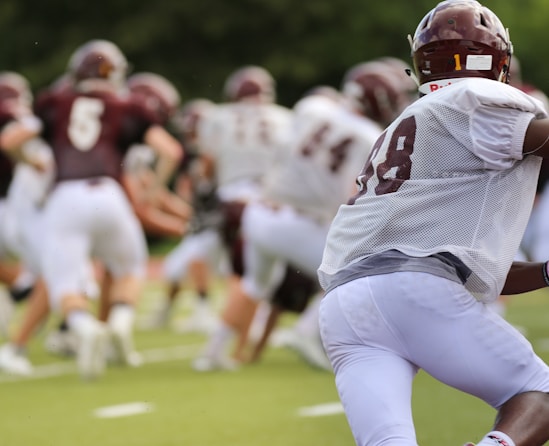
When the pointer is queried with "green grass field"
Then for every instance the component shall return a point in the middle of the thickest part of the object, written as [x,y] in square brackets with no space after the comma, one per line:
[278,402]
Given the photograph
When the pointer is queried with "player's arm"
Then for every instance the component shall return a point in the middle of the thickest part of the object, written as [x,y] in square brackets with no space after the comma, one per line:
[15,134]
[536,139]
[526,276]
[173,204]
[169,151]
[153,219]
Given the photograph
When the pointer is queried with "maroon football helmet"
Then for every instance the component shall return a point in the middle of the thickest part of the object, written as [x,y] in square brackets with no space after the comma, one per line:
[379,88]
[99,59]
[250,81]
[156,92]
[457,39]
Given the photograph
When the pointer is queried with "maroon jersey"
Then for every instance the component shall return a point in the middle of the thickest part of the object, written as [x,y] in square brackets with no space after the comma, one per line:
[91,132]
[6,164]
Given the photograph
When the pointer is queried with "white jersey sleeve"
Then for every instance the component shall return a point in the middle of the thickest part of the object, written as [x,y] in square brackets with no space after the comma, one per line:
[447,176]
[496,134]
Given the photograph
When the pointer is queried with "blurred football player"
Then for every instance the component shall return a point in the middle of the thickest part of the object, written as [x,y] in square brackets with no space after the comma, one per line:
[243,137]
[286,225]
[200,253]
[379,89]
[22,189]
[87,214]
[160,211]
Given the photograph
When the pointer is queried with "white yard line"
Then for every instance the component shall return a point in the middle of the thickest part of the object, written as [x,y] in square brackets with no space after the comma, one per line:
[320,410]
[123,410]
[157,355]
[69,367]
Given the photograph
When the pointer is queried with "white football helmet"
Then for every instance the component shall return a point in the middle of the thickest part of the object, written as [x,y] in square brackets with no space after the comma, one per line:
[99,59]
[250,81]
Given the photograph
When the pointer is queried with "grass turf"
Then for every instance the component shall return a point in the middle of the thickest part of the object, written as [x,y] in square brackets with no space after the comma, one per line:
[259,405]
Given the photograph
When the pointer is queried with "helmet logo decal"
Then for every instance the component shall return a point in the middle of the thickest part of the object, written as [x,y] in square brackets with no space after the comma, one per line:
[479,62]
[458,62]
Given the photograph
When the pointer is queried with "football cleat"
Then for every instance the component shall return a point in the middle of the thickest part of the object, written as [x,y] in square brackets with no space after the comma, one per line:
[91,351]
[14,362]
[310,350]
[121,331]
[61,342]
[210,364]
[157,320]
[203,320]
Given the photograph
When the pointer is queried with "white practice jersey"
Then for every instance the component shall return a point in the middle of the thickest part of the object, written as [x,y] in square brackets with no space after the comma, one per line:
[244,138]
[448,175]
[329,146]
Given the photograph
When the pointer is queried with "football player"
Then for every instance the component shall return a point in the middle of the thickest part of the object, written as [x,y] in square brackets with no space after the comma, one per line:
[161,212]
[429,238]
[243,137]
[22,189]
[286,225]
[90,126]
[200,252]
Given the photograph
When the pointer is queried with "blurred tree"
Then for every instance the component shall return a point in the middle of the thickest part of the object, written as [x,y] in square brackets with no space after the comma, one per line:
[196,44]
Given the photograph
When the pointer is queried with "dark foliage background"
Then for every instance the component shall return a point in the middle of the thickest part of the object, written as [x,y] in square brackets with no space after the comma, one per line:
[196,44]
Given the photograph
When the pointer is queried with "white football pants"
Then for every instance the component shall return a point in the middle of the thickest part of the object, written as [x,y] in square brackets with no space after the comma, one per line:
[378,331]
